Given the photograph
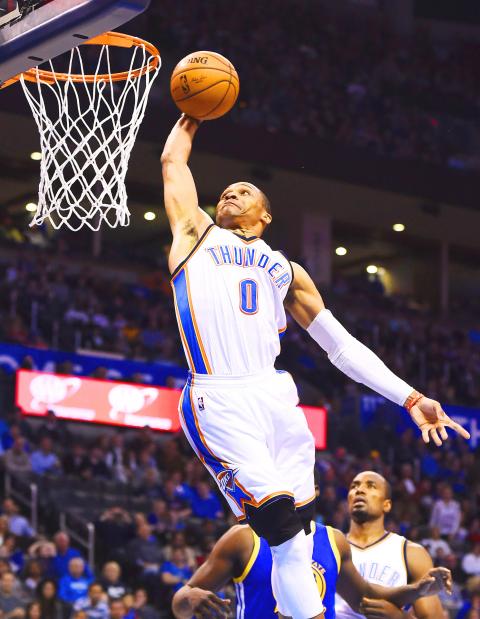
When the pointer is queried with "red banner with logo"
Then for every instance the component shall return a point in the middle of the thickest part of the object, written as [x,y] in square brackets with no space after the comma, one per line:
[122,404]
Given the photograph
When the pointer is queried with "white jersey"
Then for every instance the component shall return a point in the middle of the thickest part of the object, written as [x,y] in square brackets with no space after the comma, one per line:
[382,563]
[229,295]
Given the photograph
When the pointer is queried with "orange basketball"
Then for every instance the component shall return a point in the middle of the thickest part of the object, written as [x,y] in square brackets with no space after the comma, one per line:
[204,85]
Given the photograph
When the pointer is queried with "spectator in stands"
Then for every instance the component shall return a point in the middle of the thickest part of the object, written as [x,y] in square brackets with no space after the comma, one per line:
[17,460]
[96,466]
[11,551]
[111,581]
[446,513]
[141,606]
[34,611]
[471,562]
[75,461]
[115,529]
[179,542]
[149,486]
[54,429]
[116,460]
[44,460]
[10,605]
[178,505]
[205,503]
[145,551]
[176,572]
[118,610]
[94,604]
[160,518]
[435,543]
[32,577]
[17,524]
[52,607]
[4,528]
[75,584]
[64,553]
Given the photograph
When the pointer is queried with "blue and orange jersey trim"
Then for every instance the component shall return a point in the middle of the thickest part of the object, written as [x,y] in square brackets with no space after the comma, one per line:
[238,493]
[187,323]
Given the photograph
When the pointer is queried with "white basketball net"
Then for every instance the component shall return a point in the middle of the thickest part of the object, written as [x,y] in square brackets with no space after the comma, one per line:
[87,132]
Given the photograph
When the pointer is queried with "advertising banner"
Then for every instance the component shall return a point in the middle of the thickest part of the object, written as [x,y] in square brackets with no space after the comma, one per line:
[118,403]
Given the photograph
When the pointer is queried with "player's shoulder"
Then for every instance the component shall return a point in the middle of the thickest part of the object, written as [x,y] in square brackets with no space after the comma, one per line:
[417,560]
[238,536]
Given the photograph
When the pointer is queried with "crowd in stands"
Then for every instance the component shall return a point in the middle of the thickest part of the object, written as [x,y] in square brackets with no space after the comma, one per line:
[165,514]
[345,80]
[47,306]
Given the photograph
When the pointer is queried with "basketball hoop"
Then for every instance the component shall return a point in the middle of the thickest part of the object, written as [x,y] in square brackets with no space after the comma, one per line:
[88,124]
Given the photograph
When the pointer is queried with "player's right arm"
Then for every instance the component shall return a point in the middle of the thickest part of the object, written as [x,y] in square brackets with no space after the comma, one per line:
[361,364]
[227,560]
[187,220]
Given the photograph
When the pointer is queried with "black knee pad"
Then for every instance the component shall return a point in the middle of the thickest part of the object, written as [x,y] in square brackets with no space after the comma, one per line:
[307,514]
[276,521]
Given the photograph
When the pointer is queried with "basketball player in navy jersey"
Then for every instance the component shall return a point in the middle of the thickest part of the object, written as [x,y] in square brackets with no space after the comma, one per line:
[240,556]
[239,414]
[382,557]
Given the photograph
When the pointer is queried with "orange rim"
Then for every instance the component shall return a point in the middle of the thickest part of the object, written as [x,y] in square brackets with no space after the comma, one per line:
[111,39]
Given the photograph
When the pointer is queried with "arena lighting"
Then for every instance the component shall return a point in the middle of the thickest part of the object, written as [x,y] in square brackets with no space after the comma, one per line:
[36,156]
[149,216]
[341,251]
[372,269]
[31,207]
[398,227]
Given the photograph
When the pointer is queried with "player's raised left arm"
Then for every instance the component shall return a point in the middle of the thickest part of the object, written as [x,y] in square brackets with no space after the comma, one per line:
[362,365]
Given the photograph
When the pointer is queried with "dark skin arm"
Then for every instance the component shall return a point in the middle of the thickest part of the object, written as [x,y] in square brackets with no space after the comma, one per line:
[186,218]
[226,561]
[353,588]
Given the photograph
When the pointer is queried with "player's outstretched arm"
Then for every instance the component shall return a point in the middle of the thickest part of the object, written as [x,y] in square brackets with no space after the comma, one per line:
[227,560]
[362,365]
[376,601]
[187,220]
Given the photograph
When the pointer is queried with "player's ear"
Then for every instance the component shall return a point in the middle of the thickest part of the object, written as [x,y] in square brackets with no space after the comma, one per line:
[387,506]
[266,218]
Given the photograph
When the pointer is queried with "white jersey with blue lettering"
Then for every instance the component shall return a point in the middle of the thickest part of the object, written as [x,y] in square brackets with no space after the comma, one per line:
[229,295]
[382,563]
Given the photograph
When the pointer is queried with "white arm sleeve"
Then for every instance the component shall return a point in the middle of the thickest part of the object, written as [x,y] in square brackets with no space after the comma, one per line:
[356,360]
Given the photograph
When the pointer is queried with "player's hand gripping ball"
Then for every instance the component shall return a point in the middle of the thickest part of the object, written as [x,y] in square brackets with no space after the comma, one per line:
[204,85]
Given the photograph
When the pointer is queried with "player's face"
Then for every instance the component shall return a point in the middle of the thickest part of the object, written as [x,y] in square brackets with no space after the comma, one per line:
[241,204]
[367,497]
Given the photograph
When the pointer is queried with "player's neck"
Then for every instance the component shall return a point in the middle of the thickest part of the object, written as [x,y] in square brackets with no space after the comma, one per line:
[246,232]
[366,533]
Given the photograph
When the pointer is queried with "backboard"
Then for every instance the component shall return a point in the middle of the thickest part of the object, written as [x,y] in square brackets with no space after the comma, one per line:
[33,31]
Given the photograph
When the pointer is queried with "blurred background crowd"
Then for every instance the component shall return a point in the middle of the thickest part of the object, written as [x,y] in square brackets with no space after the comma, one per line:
[345,78]
[104,524]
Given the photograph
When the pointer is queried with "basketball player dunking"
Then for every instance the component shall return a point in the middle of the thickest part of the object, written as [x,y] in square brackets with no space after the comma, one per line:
[382,558]
[239,414]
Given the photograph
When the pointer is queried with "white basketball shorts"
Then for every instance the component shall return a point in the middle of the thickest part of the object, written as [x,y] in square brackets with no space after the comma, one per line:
[251,435]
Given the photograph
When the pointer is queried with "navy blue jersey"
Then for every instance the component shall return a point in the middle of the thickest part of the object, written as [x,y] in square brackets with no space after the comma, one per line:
[254,588]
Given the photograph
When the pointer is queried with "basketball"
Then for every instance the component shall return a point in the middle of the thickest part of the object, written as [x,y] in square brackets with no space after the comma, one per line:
[204,85]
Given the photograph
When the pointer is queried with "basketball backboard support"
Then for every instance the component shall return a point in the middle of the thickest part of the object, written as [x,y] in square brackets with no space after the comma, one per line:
[33,31]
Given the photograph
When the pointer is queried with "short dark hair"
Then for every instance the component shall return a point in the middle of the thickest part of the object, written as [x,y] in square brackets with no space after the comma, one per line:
[266,203]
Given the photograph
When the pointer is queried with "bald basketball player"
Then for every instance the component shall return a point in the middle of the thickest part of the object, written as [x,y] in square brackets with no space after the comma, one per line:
[239,414]
[381,557]
[244,558]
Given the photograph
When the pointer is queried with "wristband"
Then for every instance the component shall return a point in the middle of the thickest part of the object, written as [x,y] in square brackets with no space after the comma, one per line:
[412,399]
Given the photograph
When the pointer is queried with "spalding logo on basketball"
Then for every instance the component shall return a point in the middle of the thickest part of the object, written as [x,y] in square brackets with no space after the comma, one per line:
[204,85]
